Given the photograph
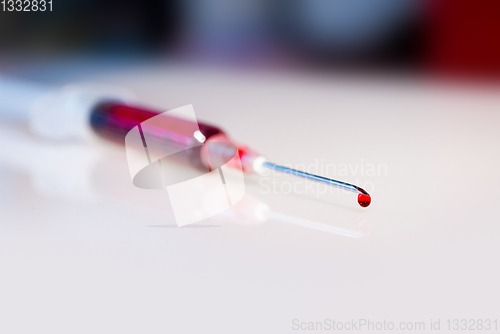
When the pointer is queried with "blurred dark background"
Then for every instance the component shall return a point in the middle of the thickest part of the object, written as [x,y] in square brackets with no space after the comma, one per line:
[457,38]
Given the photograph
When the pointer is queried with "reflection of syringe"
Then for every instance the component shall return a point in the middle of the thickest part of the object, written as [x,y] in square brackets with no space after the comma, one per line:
[62,112]
[252,211]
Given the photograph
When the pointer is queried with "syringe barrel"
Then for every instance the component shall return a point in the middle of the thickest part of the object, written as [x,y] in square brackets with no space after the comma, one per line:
[113,120]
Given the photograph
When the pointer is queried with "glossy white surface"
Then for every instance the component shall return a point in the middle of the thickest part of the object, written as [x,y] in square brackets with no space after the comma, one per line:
[83,251]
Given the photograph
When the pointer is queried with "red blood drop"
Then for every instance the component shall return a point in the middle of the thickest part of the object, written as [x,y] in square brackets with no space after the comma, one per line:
[364,200]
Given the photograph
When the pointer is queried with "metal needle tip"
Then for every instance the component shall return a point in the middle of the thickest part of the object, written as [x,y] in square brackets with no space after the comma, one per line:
[317,178]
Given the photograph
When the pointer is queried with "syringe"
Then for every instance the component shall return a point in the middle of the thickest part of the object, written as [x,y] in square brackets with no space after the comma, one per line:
[113,120]
[66,112]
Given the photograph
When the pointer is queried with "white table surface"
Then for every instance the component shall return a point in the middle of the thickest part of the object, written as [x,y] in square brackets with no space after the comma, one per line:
[84,251]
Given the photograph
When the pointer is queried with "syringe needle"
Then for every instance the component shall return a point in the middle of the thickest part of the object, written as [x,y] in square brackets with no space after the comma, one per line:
[364,199]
